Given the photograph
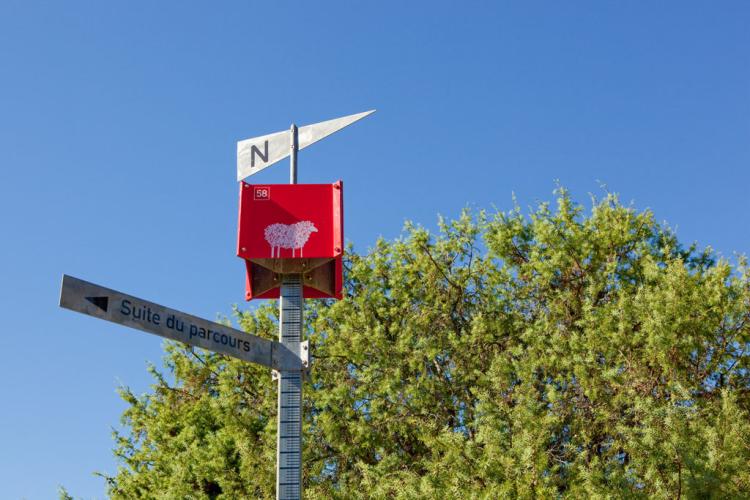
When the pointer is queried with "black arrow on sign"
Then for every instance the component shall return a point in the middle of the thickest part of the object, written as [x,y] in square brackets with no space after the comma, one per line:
[100,302]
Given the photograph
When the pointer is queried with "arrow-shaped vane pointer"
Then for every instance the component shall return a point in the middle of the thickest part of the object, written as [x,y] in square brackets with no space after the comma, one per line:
[253,155]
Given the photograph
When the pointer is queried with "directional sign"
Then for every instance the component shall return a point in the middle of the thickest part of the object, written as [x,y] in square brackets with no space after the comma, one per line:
[103,303]
[253,155]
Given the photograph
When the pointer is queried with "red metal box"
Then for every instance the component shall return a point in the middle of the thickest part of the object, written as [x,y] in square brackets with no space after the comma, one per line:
[291,228]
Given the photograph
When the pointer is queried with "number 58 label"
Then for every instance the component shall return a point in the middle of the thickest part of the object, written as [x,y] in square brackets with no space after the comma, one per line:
[262,193]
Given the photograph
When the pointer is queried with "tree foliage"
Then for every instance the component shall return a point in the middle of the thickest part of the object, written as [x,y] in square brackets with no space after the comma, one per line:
[554,354]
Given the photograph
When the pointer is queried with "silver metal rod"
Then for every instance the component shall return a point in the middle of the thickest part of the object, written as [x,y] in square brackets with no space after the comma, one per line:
[293,156]
[289,432]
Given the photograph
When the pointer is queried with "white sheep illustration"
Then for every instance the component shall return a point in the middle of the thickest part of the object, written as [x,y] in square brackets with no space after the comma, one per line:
[292,236]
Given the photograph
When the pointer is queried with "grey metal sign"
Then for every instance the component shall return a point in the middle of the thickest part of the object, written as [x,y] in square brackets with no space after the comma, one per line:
[111,305]
[253,155]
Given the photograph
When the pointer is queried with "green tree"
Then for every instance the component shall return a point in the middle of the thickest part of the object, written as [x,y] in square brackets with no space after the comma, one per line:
[558,354]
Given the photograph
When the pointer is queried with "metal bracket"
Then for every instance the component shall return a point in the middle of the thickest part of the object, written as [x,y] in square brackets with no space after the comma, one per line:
[304,358]
[304,354]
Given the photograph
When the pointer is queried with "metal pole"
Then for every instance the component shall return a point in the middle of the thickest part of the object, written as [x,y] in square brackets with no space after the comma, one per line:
[293,157]
[289,432]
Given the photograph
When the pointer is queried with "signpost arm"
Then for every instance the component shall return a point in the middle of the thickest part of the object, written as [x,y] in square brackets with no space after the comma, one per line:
[117,307]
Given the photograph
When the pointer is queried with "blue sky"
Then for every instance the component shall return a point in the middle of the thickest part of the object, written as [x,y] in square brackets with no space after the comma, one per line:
[118,124]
